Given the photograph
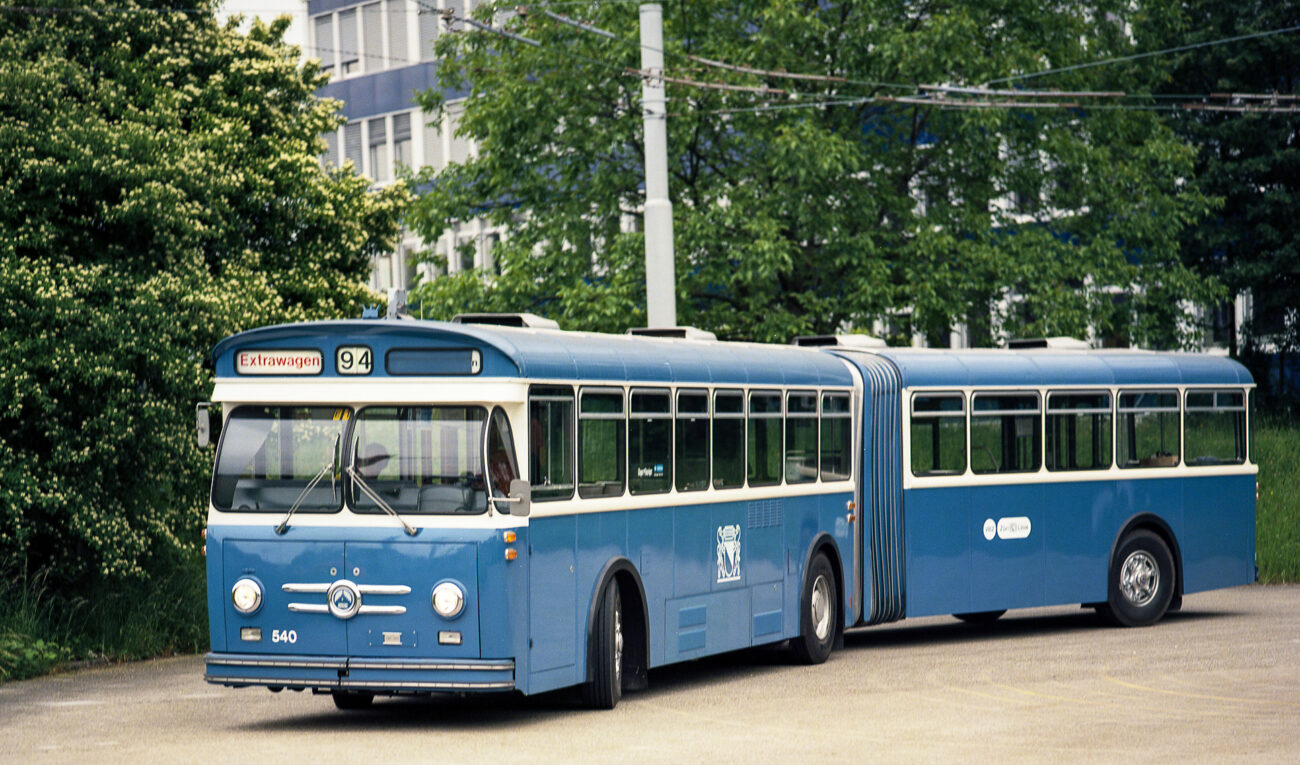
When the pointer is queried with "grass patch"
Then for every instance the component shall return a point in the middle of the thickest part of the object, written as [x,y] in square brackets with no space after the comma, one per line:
[1277,450]
[42,630]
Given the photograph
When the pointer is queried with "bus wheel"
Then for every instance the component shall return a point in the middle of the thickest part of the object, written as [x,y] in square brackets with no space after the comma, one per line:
[816,614]
[981,617]
[1141,581]
[353,699]
[606,685]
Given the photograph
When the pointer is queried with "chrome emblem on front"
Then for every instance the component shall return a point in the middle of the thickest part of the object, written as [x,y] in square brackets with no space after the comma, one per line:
[343,599]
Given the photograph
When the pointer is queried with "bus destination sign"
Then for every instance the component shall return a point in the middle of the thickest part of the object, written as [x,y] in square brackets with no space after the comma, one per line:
[260,362]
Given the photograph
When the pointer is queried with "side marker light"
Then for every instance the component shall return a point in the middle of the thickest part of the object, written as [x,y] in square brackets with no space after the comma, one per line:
[510,537]
[511,553]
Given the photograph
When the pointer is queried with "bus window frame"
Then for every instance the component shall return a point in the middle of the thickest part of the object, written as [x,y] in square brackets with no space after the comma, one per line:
[1121,410]
[742,415]
[670,416]
[1036,413]
[1214,407]
[550,393]
[1109,412]
[822,416]
[963,414]
[707,415]
[621,416]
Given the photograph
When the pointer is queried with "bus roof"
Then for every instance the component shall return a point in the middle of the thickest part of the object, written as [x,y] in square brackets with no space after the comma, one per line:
[548,354]
[976,366]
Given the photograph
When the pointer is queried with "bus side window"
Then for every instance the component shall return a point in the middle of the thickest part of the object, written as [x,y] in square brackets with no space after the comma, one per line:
[938,434]
[650,442]
[837,437]
[728,439]
[1148,429]
[1215,427]
[602,443]
[550,443]
[1078,430]
[692,440]
[801,437]
[1004,433]
[764,438]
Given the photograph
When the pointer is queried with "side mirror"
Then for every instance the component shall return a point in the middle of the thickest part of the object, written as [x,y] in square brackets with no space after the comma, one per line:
[207,433]
[521,496]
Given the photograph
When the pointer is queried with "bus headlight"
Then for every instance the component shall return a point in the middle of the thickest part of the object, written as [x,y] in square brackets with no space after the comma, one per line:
[246,595]
[448,600]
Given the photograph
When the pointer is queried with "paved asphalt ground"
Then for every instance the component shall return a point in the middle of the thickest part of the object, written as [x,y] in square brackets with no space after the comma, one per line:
[1219,681]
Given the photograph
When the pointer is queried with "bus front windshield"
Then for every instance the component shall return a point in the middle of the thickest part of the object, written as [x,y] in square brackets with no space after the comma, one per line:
[420,459]
[270,454]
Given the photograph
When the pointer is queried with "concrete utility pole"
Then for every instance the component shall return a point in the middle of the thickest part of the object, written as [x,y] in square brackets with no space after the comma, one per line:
[660,281]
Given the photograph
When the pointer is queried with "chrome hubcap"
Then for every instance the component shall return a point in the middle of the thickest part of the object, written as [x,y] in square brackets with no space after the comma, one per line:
[1139,578]
[618,646]
[821,608]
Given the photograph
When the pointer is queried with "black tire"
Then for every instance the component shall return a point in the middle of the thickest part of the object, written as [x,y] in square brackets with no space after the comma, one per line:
[1142,579]
[981,617]
[350,700]
[605,687]
[818,606]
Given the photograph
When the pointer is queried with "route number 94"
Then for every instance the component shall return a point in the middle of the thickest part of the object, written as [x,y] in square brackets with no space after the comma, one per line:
[284,636]
[353,360]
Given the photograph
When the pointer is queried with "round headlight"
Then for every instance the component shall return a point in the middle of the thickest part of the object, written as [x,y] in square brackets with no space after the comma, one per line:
[448,600]
[246,595]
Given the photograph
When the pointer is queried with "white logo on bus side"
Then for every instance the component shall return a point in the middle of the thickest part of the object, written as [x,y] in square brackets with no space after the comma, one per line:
[729,553]
[1007,528]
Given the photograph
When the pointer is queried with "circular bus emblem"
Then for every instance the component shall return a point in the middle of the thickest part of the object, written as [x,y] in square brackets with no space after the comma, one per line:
[344,599]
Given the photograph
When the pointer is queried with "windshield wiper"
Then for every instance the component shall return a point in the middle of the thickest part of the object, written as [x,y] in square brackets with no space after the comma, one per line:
[374,497]
[330,467]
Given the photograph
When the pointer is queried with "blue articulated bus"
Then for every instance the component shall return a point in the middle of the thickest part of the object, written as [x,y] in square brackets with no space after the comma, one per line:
[405,507]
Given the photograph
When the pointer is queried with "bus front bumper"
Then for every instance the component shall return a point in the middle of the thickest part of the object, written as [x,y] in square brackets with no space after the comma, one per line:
[360,674]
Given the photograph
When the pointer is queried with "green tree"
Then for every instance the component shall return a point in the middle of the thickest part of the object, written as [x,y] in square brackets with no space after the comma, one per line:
[800,220]
[1250,161]
[160,188]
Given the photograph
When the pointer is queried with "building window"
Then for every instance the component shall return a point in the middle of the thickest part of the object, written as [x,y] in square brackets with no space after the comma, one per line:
[380,170]
[352,145]
[330,158]
[460,148]
[349,44]
[429,21]
[433,154]
[372,28]
[402,139]
[323,40]
[397,16]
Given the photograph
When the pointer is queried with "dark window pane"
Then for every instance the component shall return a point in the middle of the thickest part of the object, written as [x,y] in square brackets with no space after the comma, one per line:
[801,449]
[692,441]
[765,450]
[420,459]
[728,453]
[941,403]
[837,448]
[649,445]
[601,452]
[1078,441]
[938,445]
[550,426]
[1004,443]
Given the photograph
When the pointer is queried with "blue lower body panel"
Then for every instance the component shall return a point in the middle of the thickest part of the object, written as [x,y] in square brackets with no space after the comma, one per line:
[378,675]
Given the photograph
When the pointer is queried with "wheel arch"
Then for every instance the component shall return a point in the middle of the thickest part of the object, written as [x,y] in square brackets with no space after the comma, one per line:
[824,542]
[1158,526]
[636,648]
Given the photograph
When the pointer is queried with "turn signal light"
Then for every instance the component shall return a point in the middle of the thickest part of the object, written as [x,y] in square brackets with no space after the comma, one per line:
[511,553]
[205,551]
[510,537]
